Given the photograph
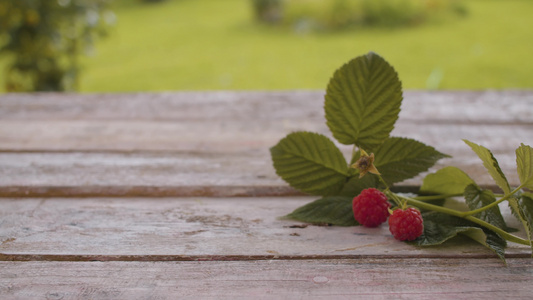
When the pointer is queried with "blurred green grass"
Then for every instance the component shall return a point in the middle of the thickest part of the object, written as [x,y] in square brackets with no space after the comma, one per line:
[215,44]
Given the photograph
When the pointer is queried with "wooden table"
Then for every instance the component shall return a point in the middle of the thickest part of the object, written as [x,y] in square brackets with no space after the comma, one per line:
[173,195]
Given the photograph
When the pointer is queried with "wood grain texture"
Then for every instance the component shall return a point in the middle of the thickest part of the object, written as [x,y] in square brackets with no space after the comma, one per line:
[308,279]
[195,229]
[216,143]
[232,121]
[82,174]
[258,106]
[173,195]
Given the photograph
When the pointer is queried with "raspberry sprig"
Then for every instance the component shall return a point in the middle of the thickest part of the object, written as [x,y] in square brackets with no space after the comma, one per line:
[312,163]
[406,222]
[371,208]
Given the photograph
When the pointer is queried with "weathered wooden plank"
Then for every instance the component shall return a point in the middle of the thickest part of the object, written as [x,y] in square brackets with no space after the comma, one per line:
[138,174]
[171,174]
[274,279]
[214,173]
[120,136]
[194,229]
[194,144]
[216,144]
[444,106]
[236,121]
[216,137]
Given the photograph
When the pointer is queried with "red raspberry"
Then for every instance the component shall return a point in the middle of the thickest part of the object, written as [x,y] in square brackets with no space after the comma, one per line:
[406,225]
[371,208]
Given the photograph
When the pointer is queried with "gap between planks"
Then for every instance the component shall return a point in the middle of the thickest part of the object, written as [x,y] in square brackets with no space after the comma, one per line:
[150,191]
[171,191]
[178,258]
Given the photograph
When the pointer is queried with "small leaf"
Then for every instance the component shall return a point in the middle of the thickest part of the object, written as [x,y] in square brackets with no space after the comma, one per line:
[448,180]
[329,210]
[363,101]
[478,198]
[522,209]
[439,228]
[524,161]
[436,232]
[311,163]
[491,164]
[399,159]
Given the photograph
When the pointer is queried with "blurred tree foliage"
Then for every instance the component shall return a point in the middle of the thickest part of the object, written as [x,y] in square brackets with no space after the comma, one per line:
[43,39]
[330,15]
[269,11]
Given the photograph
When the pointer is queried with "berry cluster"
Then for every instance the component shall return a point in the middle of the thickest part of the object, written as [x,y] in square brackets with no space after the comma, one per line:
[371,209]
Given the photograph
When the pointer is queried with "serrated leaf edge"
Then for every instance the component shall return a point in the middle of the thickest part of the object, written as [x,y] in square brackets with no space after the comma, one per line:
[492,167]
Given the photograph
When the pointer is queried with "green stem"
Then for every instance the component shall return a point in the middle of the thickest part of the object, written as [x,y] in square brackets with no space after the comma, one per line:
[502,233]
[436,197]
[390,194]
[475,211]
[510,237]
[505,197]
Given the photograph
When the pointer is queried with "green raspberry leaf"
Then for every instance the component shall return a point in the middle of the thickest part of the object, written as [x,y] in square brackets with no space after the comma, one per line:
[491,164]
[477,198]
[488,239]
[311,163]
[398,159]
[439,228]
[448,180]
[363,101]
[524,161]
[328,210]
[522,209]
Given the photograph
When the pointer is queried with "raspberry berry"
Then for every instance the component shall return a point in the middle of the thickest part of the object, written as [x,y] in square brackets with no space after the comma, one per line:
[370,208]
[406,225]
